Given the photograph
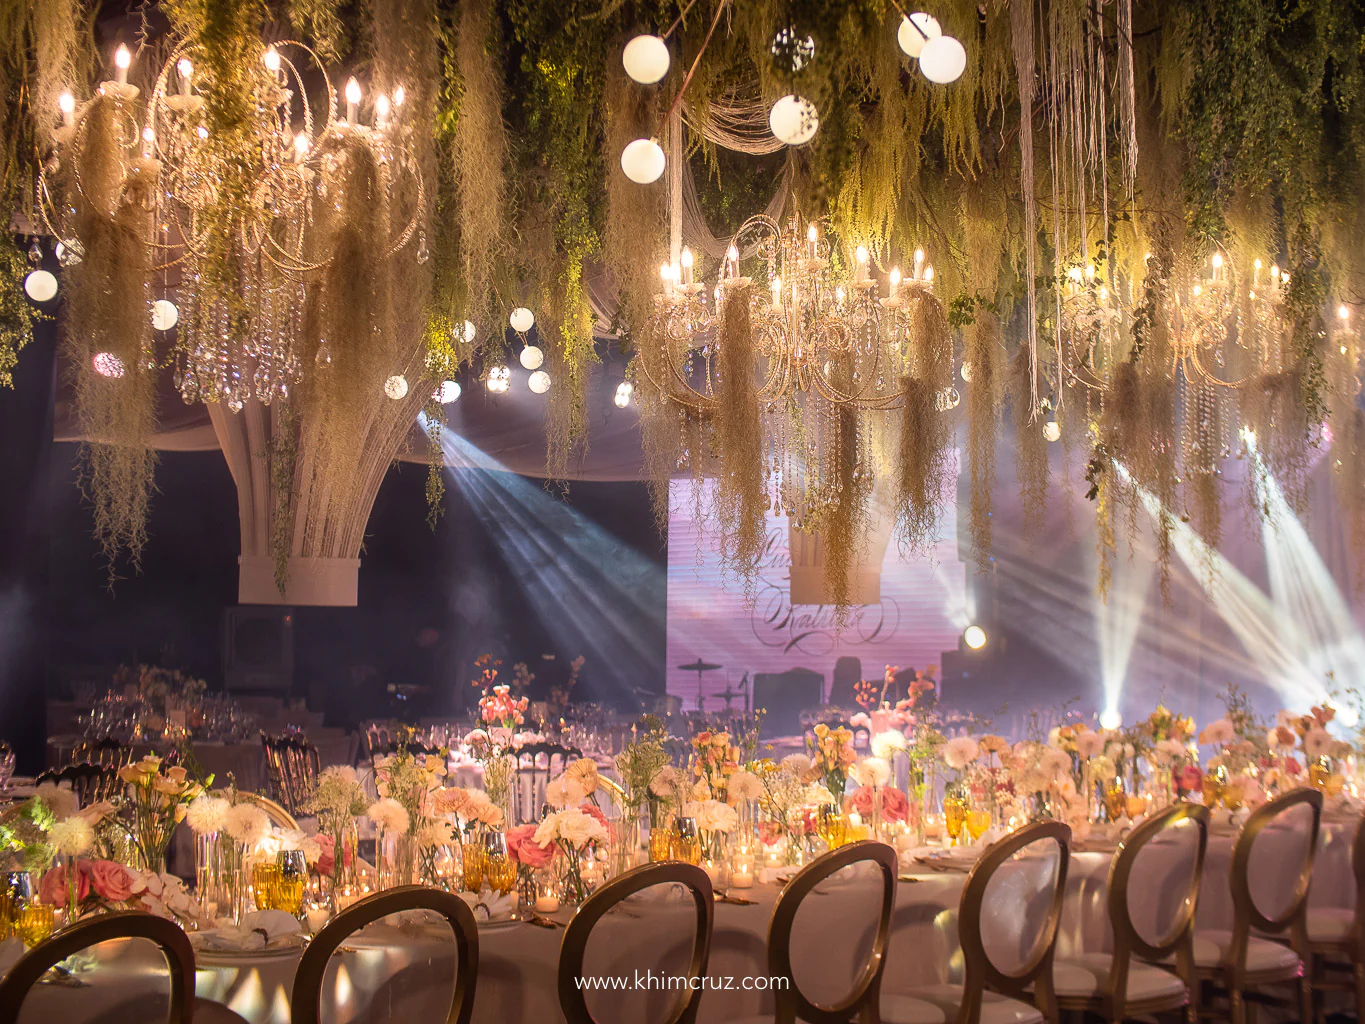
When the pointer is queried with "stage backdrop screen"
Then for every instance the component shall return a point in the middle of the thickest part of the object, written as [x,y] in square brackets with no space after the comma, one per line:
[921,614]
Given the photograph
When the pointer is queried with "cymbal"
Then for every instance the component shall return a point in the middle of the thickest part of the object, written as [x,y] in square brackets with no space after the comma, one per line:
[700,666]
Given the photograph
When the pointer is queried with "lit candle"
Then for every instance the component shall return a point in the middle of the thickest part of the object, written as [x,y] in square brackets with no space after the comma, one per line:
[839,295]
[67,103]
[895,279]
[186,70]
[352,100]
[148,137]
[666,275]
[546,903]
[300,148]
[398,96]
[777,291]
[732,261]
[1216,262]
[812,235]
[1256,272]
[687,267]
[272,61]
[122,61]
[860,262]
[743,875]
[381,110]
[919,261]
[317,919]
[929,274]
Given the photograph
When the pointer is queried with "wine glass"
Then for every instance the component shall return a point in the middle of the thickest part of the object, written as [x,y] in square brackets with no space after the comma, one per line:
[498,866]
[831,826]
[6,765]
[978,821]
[292,875]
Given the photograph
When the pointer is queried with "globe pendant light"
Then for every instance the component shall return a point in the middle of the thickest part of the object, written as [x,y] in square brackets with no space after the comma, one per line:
[532,357]
[396,387]
[164,315]
[522,319]
[793,120]
[916,30]
[646,59]
[643,161]
[40,285]
[943,60]
[539,382]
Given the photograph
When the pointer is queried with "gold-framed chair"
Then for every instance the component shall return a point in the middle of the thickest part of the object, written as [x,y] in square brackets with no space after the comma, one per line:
[863,1004]
[1128,982]
[90,781]
[1246,960]
[108,752]
[991,992]
[1336,939]
[572,1001]
[169,937]
[292,767]
[306,997]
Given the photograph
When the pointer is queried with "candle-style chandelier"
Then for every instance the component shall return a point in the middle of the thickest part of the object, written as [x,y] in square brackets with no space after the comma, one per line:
[832,356]
[236,184]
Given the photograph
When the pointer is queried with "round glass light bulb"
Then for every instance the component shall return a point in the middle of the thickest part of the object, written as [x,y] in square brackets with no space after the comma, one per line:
[41,285]
[539,382]
[66,103]
[532,357]
[272,59]
[912,38]
[646,59]
[1052,430]
[974,637]
[448,392]
[794,120]
[164,315]
[643,161]
[469,332]
[522,319]
[396,387]
[352,91]
[966,372]
[943,60]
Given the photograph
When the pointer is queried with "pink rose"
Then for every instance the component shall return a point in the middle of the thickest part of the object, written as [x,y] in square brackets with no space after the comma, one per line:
[110,881]
[327,853]
[1191,779]
[895,806]
[52,888]
[1292,767]
[859,800]
[522,846]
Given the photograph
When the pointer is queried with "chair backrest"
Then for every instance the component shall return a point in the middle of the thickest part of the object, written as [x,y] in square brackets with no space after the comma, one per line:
[1301,810]
[123,924]
[107,751]
[572,1002]
[89,782]
[1044,844]
[293,765]
[1184,872]
[305,1001]
[864,999]
[536,764]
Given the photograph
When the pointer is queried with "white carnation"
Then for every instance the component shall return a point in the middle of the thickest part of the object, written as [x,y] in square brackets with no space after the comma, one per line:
[960,751]
[887,744]
[714,816]
[744,785]
[871,771]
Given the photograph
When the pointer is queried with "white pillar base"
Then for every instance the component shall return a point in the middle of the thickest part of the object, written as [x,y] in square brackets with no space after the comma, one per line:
[329,582]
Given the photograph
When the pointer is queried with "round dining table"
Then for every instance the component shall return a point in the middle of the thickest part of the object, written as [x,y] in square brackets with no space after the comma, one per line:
[401,970]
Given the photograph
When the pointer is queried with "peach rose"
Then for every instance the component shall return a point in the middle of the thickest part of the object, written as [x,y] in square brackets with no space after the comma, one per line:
[522,846]
[111,881]
[52,889]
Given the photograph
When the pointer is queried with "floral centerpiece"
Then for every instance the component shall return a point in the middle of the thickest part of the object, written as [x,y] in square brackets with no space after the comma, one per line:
[492,744]
[831,756]
[782,801]
[337,801]
[575,832]
[405,782]
[157,799]
[714,760]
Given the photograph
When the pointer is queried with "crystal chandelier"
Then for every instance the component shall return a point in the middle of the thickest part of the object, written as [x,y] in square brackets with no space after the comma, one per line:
[236,184]
[831,354]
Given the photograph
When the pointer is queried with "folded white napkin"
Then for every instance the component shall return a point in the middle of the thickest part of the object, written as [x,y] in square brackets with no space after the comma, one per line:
[490,906]
[259,930]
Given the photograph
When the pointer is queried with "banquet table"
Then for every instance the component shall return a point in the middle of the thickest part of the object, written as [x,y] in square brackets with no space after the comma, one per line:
[393,971]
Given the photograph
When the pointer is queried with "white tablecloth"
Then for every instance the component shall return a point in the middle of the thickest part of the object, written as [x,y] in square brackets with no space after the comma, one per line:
[405,974]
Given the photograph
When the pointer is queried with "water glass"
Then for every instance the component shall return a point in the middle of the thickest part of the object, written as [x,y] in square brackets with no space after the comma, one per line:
[686,841]
[292,868]
[498,866]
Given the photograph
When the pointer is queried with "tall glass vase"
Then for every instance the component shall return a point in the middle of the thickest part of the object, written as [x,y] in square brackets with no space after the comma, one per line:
[626,841]
[397,857]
